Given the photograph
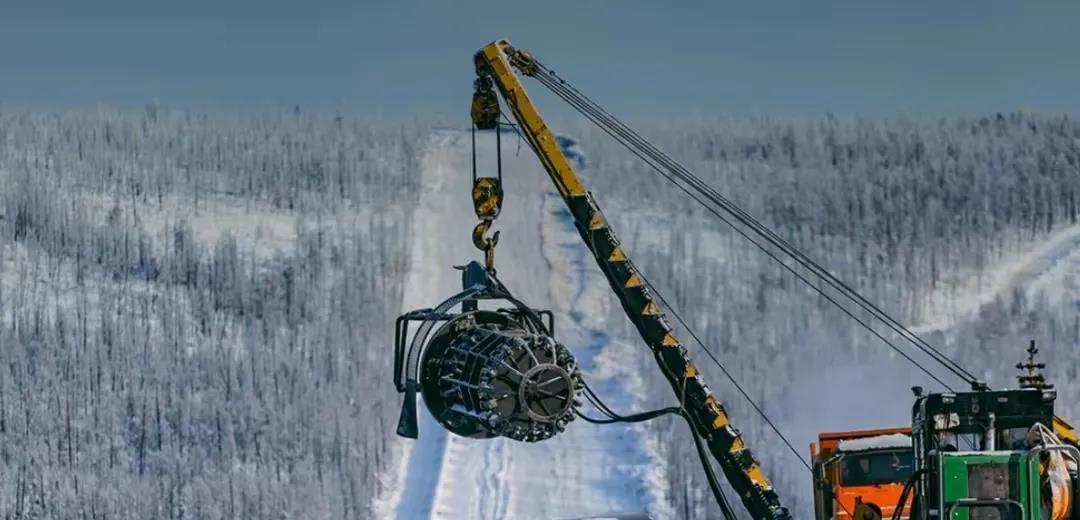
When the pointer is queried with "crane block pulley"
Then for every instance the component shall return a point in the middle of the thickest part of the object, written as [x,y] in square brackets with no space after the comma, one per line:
[485,105]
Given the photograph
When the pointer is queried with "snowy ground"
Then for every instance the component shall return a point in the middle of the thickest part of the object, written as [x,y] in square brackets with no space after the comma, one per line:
[589,470]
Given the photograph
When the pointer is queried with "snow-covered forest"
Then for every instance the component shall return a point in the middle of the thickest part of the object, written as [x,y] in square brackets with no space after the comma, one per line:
[934,220]
[195,311]
[196,308]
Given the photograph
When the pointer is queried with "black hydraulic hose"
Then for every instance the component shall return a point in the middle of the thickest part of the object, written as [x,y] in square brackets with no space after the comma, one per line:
[710,475]
[703,456]
[632,418]
[904,495]
[613,417]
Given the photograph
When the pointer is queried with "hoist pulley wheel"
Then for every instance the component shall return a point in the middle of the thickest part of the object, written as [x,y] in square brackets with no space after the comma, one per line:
[485,105]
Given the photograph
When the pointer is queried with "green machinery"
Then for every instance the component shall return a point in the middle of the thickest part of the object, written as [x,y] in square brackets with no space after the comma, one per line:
[990,455]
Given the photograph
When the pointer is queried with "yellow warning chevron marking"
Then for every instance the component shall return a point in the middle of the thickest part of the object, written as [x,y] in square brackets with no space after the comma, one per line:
[756,475]
[719,422]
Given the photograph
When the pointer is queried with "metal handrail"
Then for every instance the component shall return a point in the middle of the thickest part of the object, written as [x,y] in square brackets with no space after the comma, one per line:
[971,503]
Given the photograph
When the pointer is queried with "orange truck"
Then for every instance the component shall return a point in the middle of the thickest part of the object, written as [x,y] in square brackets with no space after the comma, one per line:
[859,475]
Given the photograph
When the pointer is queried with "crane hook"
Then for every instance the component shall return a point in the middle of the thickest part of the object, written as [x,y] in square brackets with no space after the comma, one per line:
[487,196]
[486,244]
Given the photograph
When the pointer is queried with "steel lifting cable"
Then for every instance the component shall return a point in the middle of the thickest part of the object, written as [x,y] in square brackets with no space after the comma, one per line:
[769,253]
[593,117]
[646,151]
[809,264]
[757,408]
[765,250]
[629,138]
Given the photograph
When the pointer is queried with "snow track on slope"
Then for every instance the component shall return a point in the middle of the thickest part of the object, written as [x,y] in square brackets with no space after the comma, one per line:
[588,470]
[428,282]
[1053,262]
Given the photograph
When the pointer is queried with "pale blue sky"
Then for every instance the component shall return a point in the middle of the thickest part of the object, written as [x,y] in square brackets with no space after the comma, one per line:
[637,58]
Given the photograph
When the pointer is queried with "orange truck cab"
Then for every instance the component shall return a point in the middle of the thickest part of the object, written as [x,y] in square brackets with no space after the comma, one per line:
[859,475]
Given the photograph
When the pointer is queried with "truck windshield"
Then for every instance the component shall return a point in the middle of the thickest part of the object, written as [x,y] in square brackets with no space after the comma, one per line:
[877,467]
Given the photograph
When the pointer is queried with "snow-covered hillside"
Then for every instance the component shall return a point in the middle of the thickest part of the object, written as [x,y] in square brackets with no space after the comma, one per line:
[196,309]
[190,308]
[927,218]
[843,193]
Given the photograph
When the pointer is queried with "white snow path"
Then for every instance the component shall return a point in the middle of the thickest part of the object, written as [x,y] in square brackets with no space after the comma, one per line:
[1051,267]
[426,284]
[588,470]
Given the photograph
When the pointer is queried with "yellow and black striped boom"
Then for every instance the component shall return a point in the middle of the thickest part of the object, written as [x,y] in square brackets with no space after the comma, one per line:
[498,62]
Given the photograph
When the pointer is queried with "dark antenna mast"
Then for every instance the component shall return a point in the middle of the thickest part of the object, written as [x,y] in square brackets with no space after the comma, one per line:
[1031,371]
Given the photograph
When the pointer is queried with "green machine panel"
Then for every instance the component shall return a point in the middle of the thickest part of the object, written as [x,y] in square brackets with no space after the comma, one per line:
[989,486]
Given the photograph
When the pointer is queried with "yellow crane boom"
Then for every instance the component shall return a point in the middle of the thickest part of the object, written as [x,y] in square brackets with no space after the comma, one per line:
[496,63]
